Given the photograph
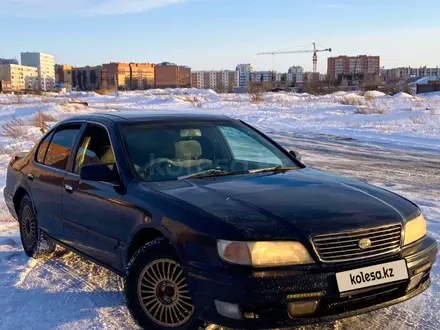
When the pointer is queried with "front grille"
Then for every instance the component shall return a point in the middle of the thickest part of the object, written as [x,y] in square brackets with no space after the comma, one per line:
[344,246]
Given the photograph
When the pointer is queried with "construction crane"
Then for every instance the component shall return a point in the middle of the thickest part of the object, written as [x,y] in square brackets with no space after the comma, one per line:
[314,51]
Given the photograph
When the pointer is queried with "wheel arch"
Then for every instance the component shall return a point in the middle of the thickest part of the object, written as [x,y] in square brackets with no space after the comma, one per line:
[20,192]
[141,237]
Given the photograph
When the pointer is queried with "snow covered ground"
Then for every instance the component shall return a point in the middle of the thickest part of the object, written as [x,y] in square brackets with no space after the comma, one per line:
[393,142]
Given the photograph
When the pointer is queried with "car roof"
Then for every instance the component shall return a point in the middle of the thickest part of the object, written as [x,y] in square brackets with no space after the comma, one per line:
[145,116]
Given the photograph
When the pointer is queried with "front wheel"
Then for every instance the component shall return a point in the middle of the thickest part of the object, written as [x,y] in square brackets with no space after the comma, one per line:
[156,289]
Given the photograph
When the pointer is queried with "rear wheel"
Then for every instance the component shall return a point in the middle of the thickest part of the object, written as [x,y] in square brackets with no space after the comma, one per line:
[156,289]
[35,243]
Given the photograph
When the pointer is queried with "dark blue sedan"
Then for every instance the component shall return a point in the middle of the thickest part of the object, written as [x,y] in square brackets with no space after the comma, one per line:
[209,220]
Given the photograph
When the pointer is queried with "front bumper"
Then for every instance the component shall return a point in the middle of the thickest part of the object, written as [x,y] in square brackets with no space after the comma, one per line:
[263,295]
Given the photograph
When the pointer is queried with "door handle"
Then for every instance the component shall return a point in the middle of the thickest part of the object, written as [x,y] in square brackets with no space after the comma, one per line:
[68,188]
[30,176]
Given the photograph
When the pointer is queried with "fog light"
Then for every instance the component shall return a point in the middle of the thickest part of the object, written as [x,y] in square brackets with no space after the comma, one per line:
[300,308]
[228,310]
[414,282]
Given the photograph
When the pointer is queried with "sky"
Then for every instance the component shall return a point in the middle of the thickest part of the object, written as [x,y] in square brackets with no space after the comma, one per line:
[219,34]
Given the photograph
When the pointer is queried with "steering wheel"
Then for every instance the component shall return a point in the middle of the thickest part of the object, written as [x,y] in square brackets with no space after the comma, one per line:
[145,170]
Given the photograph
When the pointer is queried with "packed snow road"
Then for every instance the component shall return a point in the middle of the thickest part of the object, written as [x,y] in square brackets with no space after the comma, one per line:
[68,292]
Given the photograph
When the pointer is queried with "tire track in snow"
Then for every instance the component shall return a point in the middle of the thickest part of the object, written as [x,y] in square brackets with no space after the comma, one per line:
[117,318]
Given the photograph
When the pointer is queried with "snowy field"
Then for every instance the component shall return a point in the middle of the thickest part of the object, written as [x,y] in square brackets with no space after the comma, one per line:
[392,142]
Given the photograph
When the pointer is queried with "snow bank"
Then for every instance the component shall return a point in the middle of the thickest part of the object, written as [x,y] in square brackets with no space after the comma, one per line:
[403,95]
[374,94]
[82,94]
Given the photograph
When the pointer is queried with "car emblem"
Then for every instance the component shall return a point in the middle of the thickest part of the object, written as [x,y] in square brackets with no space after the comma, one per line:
[364,243]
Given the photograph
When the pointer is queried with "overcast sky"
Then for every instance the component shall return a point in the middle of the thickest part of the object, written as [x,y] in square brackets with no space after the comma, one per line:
[218,34]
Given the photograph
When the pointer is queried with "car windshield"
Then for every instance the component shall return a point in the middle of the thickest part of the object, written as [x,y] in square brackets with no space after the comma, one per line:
[179,150]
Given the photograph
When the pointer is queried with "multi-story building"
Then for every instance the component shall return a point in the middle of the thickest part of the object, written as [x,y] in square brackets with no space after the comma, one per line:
[116,75]
[242,74]
[228,80]
[408,72]
[21,77]
[170,75]
[219,80]
[141,76]
[63,74]
[45,64]
[295,74]
[133,76]
[263,76]
[198,79]
[8,61]
[87,78]
[352,65]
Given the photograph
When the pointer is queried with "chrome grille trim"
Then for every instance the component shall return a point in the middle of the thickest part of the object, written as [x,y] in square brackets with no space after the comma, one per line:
[343,246]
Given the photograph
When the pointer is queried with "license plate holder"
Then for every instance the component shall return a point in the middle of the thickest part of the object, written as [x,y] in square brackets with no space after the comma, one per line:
[371,276]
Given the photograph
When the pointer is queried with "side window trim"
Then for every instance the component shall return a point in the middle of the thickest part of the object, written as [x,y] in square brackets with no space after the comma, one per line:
[51,134]
[53,131]
[77,145]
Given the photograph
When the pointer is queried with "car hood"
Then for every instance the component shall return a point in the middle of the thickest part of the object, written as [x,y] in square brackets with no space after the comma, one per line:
[293,204]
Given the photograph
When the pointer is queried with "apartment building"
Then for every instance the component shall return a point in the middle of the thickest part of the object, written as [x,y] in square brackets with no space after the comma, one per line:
[170,75]
[295,74]
[116,74]
[21,77]
[45,64]
[262,76]
[222,80]
[87,78]
[408,72]
[63,74]
[242,74]
[141,76]
[8,61]
[352,65]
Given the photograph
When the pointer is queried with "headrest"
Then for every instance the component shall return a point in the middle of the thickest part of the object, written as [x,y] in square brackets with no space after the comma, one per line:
[188,149]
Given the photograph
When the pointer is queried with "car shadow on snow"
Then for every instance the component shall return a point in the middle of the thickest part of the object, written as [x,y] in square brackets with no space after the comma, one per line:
[63,291]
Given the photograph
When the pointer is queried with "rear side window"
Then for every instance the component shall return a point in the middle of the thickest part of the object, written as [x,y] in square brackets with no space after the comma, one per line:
[41,152]
[95,148]
[60,147]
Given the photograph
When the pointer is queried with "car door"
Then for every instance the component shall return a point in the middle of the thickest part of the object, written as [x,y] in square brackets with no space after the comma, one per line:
[91,210]
[46,173]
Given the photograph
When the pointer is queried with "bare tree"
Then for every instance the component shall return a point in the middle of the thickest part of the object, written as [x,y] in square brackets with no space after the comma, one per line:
[256,92]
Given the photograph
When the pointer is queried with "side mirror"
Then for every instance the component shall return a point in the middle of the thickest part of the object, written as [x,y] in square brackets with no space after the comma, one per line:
[97,172]
[295,155]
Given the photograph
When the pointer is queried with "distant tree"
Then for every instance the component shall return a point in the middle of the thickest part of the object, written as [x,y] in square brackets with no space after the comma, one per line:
[256,92]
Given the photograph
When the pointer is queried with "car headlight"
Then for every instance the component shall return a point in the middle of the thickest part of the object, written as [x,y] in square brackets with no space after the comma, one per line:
[415,229]
[264,254]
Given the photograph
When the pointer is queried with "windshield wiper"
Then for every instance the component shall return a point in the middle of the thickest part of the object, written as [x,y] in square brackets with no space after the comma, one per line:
[209,173]
[278,168]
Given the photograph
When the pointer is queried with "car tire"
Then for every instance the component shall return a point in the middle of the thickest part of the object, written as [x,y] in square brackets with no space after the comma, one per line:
[156,291]
[35,242]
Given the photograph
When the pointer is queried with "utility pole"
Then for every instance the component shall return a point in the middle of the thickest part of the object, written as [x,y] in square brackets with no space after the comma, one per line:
[116,82]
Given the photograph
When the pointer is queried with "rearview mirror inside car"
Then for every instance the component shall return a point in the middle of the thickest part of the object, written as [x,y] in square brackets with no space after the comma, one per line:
[97,172]
[295,154]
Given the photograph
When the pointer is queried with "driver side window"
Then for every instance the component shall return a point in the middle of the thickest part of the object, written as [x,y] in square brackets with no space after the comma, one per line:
[95,148]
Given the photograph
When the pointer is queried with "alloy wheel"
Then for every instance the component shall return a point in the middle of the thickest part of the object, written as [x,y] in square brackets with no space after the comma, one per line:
[29,228]
[163,293]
